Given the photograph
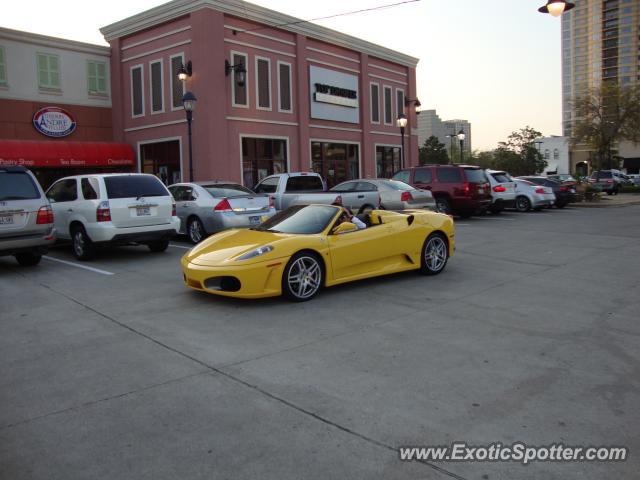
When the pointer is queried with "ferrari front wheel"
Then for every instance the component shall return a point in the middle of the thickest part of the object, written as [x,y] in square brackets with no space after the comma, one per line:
[302,277]
[435,253]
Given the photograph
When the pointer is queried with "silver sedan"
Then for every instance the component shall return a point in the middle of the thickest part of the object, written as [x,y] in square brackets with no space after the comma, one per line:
[209,207]
[397,195]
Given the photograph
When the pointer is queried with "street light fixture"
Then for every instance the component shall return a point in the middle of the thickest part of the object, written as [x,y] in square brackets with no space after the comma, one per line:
[556,7]
[189,102]
[185,71]
[239,71]
[461,137]
[401,122]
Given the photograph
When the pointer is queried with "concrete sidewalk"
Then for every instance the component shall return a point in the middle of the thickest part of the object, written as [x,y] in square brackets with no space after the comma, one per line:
[620,200]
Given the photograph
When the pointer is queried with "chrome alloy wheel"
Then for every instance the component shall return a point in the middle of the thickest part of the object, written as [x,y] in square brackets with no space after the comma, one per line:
[78,243]
[435,254]
[305,276]
[195,231]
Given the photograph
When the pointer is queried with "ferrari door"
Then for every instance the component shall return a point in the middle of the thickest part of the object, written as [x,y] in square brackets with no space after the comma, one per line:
[359,253]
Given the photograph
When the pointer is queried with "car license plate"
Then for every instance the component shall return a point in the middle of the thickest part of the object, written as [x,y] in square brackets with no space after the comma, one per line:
[6,219]
[573,190]
[143,211]
[481,190]
[254,220]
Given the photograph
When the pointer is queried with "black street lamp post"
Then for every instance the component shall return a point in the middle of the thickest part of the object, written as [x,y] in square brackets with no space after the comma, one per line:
[401,122]
[189,102]
[461,137]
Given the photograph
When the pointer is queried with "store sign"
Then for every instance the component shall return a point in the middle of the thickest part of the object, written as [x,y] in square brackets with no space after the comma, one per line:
[54,122]
[334,95]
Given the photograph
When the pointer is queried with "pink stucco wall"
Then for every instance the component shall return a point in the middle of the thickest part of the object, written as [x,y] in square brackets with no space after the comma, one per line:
[205,38]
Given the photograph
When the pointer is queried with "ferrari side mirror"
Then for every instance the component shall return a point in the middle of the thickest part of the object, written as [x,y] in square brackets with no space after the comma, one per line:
[344,227]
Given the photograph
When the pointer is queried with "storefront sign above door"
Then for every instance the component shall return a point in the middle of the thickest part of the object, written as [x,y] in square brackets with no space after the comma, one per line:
[338,96]
[54,122]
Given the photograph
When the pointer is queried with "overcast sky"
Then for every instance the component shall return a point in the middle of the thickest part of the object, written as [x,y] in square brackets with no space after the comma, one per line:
[496,64]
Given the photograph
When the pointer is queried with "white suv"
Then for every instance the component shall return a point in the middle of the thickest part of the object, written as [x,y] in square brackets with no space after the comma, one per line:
[113,208]
[503,190]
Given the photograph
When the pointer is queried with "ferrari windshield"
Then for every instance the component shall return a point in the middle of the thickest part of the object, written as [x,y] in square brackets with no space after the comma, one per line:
[300,219]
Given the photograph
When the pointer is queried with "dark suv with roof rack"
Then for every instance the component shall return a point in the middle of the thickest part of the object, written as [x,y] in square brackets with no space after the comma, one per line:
[458,189]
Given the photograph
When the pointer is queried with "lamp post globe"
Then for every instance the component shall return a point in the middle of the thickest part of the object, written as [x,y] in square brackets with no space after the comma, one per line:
[401,123]
[461,136]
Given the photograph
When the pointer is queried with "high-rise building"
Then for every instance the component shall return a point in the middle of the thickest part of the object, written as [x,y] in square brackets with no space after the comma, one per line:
[599,43]
[430,124]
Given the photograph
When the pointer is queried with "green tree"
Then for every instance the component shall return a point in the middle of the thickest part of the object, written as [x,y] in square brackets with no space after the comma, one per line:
[483,159]
[433,152]
[520,153]
[605,116]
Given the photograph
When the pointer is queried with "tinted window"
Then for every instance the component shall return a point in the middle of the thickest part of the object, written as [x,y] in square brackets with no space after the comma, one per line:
[269,185]
[395,185]
[345,187]
[448,175]
[128,186]
[63,191]
[227,190]
[304,183]
[402,175]
[475,175]
[366,187]
[501,177]
[300,219]
[422,175]
[601,175]
[17,186]
[88,192]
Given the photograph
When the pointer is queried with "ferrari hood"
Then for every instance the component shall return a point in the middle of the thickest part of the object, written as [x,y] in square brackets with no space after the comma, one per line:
[224,247]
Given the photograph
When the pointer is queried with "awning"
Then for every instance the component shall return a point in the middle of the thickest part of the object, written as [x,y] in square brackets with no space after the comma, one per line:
[631,163]
[56,154]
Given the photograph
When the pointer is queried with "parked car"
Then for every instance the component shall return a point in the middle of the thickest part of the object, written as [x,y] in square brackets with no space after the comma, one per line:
[116,208]
[209,207]
[565,179]
[391,194]
[26,218]
[531,196]
[564,193]
[607,180]
[503,190]
[460,189]
[306,188]
[635,177]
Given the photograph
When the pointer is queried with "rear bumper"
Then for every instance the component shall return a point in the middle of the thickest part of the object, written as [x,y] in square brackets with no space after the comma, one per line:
[538,201]
[217,222]
[37,243]
[106,232]
[504,202]
[471,204]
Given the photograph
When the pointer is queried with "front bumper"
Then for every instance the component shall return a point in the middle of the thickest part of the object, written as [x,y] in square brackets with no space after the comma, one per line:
[257,280]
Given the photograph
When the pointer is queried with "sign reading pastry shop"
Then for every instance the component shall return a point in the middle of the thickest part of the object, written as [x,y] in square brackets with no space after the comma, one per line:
[54,122]
[334,95]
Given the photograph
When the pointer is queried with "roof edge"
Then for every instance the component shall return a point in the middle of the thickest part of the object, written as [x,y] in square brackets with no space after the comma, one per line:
[249,11]
[53,42]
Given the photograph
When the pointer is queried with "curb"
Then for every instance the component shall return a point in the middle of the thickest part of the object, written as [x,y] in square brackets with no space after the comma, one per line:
[603,204]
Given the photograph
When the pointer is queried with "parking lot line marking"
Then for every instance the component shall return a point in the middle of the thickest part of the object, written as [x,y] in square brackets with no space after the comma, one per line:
[77,265]
[496,218]
[180,246]
[462,224]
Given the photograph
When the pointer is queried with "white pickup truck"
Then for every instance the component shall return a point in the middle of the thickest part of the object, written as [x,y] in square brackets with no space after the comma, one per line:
[306,188]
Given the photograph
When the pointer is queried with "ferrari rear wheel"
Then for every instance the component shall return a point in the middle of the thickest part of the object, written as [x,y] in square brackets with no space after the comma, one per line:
[435,253]
[302,277]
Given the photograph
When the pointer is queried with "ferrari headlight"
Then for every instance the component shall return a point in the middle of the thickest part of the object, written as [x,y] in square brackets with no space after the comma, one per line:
[256,252]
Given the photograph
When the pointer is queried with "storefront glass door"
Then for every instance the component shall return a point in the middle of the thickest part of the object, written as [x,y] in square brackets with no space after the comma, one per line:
[162,159]
[262,157]
[336,162]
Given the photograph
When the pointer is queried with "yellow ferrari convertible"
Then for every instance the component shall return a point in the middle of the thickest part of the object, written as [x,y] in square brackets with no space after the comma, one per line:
[303,248]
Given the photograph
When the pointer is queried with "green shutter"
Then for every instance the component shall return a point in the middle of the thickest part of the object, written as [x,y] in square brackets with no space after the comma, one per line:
[3,69]
[54,72]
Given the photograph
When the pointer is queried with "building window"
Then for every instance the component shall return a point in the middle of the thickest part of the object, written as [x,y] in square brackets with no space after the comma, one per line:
[336,162]
[239,95]
[156,86]
[547,154]
[96,77]
[3,67]
[263,83]
[177,85]
[48,71]
[399,101]
[387,160]
[284,87]
[388,106]
[556,154]
[137,91]
[375,103]
[262,157]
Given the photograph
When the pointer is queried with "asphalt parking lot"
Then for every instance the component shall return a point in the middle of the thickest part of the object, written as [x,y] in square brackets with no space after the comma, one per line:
[113,369]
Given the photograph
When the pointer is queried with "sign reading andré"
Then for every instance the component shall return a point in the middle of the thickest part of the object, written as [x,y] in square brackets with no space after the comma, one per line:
[334,95]
[54,122]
